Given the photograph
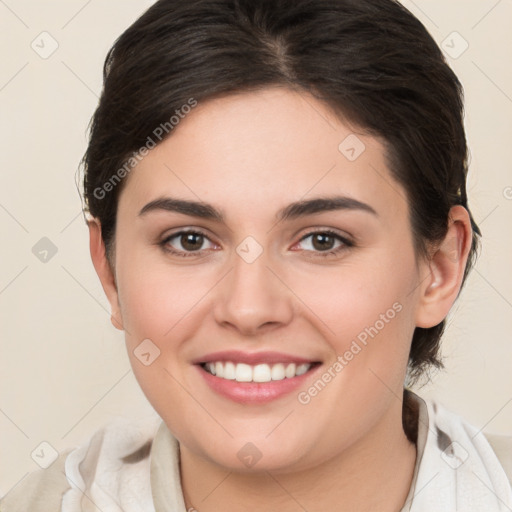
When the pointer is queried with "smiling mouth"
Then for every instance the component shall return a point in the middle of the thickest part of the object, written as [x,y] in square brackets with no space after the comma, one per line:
[259,373]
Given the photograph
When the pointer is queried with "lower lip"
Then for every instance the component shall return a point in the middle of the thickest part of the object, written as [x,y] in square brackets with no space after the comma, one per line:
[255,392]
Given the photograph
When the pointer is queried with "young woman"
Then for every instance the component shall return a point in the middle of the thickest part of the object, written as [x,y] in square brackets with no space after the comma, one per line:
[279,219]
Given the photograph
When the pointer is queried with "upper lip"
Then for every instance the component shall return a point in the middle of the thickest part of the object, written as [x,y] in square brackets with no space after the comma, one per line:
[252,358]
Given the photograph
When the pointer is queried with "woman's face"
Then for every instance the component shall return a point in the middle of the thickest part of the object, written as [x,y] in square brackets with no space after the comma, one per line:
[274,280]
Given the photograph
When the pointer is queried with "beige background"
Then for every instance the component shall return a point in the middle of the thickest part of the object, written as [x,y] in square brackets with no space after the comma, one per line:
[64,371]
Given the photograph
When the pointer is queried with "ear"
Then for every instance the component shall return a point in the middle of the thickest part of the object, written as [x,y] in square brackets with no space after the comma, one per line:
[445,270]
[104,271]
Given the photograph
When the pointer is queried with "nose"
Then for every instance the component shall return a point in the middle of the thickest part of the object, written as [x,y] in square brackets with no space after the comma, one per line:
[253,298]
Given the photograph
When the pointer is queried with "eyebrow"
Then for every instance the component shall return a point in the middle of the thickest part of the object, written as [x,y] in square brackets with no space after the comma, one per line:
[292,211]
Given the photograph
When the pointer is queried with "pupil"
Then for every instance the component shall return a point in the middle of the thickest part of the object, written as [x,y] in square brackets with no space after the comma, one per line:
[188,240]
[325,240]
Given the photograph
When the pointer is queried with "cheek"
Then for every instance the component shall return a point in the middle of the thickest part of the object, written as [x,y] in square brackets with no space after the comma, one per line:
[366,314]
[155,299]
[357,300]
[160,304]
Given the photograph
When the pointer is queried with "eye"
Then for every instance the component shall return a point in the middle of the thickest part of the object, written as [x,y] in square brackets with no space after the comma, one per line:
[186,243]
[325,241]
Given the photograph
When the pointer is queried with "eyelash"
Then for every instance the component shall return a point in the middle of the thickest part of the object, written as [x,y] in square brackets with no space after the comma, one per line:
[346,243]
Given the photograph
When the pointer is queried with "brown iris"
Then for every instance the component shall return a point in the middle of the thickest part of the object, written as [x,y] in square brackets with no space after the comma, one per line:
[191,241]
[323,241]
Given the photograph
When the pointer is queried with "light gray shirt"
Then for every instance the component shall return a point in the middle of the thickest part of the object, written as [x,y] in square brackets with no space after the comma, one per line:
[134,467]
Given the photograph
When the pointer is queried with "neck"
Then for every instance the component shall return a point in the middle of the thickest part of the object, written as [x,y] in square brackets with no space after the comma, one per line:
[373,474]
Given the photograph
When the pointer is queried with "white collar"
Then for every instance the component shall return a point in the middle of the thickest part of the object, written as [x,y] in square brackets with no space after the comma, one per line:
[456,468]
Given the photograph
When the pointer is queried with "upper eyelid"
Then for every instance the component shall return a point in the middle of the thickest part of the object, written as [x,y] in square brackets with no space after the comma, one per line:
[331,231]
[192,229]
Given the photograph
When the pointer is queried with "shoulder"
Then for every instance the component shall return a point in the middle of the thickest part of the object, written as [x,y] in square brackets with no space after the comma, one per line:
[497,448]
[463,468]
[502,447]
[489,446]
[39,491]
[111,466]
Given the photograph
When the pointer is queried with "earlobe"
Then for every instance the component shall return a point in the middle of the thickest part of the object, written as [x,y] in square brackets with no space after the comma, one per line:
[445,270]
[104,271]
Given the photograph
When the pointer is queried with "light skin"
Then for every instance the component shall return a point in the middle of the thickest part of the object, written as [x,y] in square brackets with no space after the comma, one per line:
[250,156]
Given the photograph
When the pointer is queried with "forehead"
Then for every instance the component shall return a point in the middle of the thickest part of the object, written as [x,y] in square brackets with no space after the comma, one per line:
[255,152]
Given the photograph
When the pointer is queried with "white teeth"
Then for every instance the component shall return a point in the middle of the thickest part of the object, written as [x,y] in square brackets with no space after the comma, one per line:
[242,372]
[261,373]
[302,369]
[290,371]
[277,372]
[229,371]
